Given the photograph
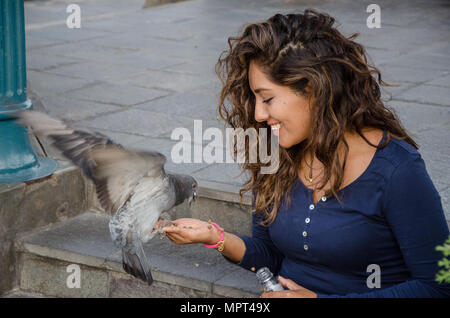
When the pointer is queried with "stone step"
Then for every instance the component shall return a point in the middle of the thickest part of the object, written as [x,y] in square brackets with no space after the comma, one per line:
[178,270]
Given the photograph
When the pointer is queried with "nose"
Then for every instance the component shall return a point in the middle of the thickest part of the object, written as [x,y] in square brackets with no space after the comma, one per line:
[261,113]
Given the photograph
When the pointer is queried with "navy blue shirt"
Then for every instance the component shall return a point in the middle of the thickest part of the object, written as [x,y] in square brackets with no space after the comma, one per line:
[390,216]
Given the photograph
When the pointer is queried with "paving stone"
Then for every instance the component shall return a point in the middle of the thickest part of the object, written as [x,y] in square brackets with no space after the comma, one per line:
[36,42]
[86,50]
[427,59]
[203,67]
[392,73]
[172,81]
[138,122]
[73,110]
[96,71]
[445,197]
[116,94]
[190,104]
[435,152]
[240,279]
[428,94]
[40,62]
[405,39]
[46,84]
[417,117]
[441,81]
[391,92]
[142,59]
[64,34]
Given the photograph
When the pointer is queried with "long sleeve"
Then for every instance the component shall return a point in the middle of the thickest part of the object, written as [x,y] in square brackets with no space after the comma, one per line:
[412,207]
[259,248]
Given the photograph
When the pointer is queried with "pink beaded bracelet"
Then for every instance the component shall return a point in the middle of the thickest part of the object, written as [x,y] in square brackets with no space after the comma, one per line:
[221,236]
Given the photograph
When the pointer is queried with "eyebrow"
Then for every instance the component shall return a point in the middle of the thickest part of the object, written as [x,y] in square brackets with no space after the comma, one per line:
[258,90]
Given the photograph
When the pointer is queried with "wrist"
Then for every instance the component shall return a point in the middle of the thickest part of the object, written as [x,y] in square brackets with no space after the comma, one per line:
[214,235]
[219,244]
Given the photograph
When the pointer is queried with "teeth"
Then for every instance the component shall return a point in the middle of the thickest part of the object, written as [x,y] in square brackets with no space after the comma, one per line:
[276,126]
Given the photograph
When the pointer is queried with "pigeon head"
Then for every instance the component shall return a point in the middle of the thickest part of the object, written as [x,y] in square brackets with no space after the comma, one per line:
[186,188]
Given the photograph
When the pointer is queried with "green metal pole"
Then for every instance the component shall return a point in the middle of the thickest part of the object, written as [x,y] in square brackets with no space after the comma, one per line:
[18,161]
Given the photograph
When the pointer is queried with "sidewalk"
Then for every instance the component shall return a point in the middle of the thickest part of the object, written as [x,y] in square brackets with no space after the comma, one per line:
[136,74]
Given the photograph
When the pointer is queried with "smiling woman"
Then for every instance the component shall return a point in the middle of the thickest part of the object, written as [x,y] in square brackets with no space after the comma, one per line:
[351,193]
[280,107]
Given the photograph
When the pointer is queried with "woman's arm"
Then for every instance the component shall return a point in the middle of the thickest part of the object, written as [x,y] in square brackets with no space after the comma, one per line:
[250,253]
[234,248]
[412,207]
[188,231]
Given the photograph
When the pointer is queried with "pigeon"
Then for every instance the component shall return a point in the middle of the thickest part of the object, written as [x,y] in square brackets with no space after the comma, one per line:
[132,186]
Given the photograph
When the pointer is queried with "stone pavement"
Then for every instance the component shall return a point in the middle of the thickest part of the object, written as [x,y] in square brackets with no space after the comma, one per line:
[136,74]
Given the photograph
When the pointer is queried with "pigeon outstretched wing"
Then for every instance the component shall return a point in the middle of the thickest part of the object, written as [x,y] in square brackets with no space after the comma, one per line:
[113,169]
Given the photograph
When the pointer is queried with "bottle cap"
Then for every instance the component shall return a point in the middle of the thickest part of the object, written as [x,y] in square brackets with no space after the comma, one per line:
[264,274]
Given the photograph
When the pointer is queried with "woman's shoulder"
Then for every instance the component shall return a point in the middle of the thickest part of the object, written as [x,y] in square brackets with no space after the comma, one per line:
[399,157]
[398,151]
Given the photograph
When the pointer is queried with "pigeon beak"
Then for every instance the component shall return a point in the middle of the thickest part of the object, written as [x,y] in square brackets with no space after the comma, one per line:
[194,196]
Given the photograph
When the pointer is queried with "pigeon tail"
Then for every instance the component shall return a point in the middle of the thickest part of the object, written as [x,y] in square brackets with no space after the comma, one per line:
[136,263]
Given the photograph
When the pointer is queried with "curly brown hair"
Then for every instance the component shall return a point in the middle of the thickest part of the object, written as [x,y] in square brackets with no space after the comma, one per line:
[306,53]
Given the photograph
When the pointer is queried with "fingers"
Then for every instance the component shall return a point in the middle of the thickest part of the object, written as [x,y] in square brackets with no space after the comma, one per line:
[176,238]
[162,223]
[288,283]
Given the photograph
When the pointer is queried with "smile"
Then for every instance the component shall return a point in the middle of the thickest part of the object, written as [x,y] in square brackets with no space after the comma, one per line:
[276,126]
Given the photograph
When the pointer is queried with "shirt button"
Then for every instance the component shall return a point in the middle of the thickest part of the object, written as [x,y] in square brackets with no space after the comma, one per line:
[305,247]
[304,233]
[307,220]
[311,207]
[324,198]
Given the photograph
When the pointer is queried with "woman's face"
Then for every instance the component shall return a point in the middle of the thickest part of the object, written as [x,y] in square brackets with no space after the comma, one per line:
[280,105]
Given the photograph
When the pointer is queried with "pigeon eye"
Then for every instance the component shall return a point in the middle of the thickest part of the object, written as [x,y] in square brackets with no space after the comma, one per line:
[194,186]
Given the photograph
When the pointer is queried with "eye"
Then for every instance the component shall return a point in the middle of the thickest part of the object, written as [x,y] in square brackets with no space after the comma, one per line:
[267,101]
[194,186]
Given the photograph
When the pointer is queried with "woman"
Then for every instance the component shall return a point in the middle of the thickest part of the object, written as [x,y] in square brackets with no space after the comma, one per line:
[351,189]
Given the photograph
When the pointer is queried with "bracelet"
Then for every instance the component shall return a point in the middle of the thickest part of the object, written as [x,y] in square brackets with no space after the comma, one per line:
[219,245]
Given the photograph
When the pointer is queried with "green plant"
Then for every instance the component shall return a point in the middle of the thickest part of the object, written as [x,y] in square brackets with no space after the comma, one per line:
[444,274]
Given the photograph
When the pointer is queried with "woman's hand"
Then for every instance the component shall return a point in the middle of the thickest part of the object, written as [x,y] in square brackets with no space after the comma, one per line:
[294,291]
[187,231]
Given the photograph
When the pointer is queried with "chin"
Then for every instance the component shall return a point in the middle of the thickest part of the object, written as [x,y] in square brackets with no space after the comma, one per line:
[284,144]
[288,144]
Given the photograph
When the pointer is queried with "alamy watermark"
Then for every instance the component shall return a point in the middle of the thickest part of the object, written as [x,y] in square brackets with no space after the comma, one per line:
[73,21]
[374,279]
[374,19]
[236,138]
[74,278]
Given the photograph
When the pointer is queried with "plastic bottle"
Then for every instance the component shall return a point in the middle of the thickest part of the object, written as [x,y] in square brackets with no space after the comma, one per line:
[268,281]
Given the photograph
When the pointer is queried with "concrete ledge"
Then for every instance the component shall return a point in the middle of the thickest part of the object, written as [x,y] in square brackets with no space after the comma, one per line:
[30,206]
[153,3]
[178,271]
